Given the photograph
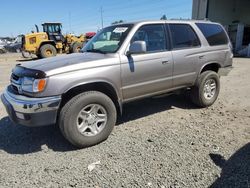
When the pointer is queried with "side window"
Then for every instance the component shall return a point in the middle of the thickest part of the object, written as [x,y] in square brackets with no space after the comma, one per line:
[214,33]
[153,35]
[183,36]
[110,36]
[104,36]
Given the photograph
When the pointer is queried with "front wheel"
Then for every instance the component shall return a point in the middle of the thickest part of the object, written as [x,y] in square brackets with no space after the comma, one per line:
[206,90]
[87,119]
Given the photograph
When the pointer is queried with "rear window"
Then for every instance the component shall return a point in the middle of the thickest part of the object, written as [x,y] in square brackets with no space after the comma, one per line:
[183,36]
[214,33]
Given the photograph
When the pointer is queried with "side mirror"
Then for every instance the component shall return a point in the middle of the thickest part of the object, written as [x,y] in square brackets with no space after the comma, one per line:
[137,47]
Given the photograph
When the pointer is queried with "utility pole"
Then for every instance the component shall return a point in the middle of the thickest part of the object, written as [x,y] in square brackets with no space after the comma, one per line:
[101,16]
[70,22]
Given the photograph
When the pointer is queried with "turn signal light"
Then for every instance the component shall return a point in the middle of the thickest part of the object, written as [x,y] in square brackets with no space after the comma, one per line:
[39,85]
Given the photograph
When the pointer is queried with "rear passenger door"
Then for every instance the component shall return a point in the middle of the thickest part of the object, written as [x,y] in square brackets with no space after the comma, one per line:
[218,42]
[186,49]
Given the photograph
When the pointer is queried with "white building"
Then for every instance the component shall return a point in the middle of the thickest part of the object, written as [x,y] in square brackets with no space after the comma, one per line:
[233,14]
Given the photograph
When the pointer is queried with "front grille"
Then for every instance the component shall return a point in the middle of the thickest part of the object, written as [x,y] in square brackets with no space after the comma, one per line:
[14,77]
[16,82]
[15,89]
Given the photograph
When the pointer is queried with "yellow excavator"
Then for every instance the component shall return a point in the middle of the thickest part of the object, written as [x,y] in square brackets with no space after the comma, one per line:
[51,41]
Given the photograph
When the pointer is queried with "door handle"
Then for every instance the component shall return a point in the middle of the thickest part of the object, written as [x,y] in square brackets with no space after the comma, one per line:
[165,62]
[201,57]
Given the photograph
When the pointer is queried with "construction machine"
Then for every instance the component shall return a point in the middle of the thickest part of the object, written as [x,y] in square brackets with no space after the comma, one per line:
[51,41]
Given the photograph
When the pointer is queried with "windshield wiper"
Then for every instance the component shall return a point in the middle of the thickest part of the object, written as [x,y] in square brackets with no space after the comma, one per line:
[96,51]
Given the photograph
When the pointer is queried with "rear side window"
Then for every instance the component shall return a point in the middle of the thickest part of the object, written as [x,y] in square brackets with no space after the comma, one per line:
[214,33]
[183,36]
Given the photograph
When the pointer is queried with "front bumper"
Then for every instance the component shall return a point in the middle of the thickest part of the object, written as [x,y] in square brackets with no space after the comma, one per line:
[29,111]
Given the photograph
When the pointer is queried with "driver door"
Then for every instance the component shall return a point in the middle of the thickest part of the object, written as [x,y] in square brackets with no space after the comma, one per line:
[151,72]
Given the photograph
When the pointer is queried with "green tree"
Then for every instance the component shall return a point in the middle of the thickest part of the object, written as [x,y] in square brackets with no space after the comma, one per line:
[164,17]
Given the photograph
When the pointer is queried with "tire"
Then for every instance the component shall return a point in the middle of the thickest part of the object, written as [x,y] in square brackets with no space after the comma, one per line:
[206,90]
[38,56]
[76,47]
[70,119]
[2,51]
[25,54]
[47,50]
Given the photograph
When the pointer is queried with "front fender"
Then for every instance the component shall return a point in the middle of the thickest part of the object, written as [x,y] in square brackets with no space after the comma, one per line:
[117,91]
[61,83]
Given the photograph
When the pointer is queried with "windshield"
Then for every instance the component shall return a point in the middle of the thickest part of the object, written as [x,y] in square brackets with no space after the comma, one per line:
[52,28]
[109,39]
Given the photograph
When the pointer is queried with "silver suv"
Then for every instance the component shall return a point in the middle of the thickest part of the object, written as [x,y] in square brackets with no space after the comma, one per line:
[83,93]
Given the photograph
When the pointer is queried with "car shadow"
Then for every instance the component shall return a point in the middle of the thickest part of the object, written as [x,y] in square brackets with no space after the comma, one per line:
[235,172]
[150,106]
[17,139]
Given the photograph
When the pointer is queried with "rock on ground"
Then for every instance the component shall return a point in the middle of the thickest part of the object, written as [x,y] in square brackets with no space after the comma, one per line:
[160,142]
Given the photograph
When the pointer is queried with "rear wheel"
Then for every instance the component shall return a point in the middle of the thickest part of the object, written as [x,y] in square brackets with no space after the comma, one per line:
[207,89]
[2,51]
[25,54]
[47,50]
[87,119]
[76,47]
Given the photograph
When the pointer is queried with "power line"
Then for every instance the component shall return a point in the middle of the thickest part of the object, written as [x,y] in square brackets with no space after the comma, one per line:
[117,5]
[132,5]
[146,9]
[138,13]
[136,17]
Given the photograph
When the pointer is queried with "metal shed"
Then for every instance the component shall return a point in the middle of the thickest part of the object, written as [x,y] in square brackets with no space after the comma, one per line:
[233,14]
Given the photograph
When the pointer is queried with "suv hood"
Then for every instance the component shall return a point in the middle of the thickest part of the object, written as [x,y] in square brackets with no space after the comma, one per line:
[71,62]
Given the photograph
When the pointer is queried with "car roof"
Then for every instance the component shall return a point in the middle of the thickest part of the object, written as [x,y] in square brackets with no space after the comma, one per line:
[52,23]
[166,21]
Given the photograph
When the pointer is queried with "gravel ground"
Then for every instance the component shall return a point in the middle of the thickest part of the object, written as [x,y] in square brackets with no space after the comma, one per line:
[160,142]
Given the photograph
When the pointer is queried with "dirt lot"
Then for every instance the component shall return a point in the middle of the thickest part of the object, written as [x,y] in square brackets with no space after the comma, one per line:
[160,142]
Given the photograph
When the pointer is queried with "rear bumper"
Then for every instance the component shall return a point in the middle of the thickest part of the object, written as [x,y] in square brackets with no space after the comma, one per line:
[224,71]
[31,112]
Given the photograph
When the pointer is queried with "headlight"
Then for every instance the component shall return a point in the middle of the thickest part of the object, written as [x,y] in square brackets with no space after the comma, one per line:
[33,85]
[27,81]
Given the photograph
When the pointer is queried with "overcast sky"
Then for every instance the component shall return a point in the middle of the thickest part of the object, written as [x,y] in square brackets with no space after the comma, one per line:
[80,16]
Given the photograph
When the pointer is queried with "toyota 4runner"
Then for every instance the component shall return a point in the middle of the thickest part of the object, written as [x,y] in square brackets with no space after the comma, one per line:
[84,92]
